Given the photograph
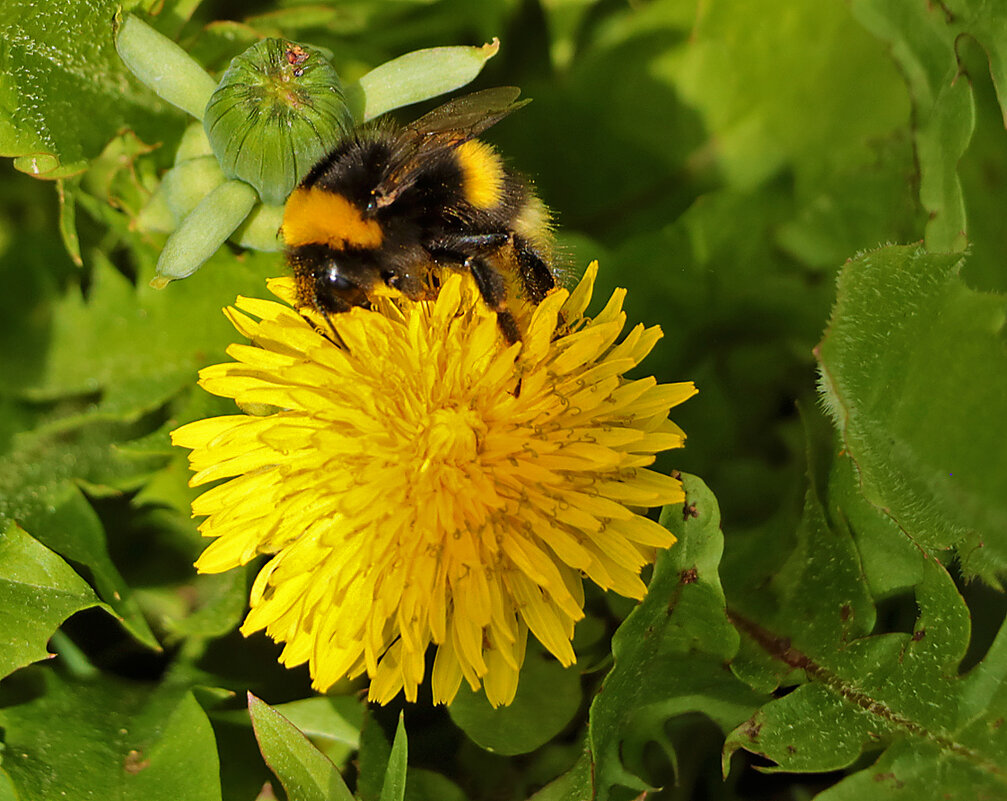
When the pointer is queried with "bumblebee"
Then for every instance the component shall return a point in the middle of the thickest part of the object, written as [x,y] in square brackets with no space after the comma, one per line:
[391,207]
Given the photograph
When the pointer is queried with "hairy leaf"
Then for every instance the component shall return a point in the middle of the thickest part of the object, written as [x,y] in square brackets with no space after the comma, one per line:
[923,421]
[898,691]
[671,652]
[866,683]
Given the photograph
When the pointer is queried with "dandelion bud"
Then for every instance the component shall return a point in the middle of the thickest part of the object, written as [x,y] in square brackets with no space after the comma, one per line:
[278,109]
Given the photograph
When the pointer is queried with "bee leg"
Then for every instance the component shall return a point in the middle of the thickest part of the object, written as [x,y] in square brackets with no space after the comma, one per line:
[463,250]
[494,291]
[536,277]
[454,249]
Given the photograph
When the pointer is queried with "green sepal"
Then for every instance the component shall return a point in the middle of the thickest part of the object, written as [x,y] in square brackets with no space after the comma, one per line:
[415,77]
[164,66]
[261,230]
[204,230]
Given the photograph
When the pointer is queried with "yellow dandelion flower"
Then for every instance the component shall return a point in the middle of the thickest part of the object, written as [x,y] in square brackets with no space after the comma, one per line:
[427,482]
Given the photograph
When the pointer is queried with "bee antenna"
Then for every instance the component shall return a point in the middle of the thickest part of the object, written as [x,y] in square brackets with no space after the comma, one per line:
[336,339]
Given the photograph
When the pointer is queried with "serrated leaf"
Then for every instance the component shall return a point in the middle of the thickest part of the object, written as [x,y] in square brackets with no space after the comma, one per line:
[922,420]
[38,591]
[548,696]
[671,651]
[64,92]
[305,772]
[106,738]
[862,691]
[897,690]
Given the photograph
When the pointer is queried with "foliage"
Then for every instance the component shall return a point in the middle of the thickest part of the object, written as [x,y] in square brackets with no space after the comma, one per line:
[830,622]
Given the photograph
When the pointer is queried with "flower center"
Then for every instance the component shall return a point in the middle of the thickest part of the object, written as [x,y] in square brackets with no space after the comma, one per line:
[451,437]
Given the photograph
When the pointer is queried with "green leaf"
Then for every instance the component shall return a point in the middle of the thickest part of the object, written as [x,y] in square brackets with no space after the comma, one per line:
[925,40]
[204,230]
[320,718]
[425,785]
[923,421]
[372,760]
[39,489]
[890,560]
[7,790]
[164,66]
[983,176]
[38,591]
[94,342]
[67,190]
[574,785]
[305,772]
[106,738]
[204,606]
[394,786]
[416,76]
[548,696]
[332,722]
[804,86]
[64,92]
[863,690]
[670,652]
[898,690]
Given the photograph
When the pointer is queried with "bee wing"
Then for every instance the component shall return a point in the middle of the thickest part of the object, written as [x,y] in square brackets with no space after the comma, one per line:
[444,128]
[468,116]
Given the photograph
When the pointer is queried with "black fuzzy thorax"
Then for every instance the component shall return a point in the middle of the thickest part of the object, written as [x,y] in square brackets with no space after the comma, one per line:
[414,187]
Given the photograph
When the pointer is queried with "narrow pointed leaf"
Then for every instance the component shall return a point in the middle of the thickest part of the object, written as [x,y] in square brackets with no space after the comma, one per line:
[305,772]
[394,787]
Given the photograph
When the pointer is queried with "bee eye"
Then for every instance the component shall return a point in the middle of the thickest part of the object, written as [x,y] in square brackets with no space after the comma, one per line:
[335,280]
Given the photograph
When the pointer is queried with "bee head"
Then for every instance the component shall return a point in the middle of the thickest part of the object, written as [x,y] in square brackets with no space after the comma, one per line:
[339,286]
